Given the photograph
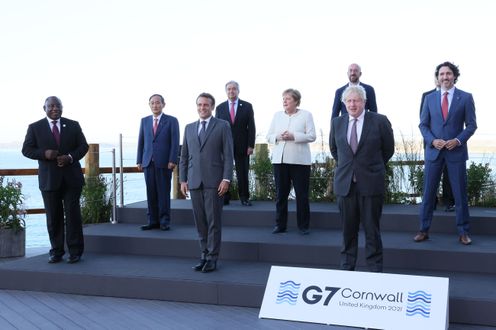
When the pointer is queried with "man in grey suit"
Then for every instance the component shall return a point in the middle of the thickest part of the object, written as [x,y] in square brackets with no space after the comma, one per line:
[361,142]
[205,170]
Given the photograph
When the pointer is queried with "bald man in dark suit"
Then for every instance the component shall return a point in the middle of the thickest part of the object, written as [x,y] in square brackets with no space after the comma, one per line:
[59,144]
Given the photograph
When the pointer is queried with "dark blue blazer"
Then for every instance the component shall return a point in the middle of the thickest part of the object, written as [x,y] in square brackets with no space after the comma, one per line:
[460,124]
[164,147]
[338,108]
[39,138]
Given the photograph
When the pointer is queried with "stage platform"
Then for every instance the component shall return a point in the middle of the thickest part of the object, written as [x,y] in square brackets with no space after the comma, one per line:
[123,261]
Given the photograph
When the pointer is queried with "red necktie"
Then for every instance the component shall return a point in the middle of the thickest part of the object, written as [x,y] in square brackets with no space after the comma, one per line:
[55,132]
[155,125]
[444,106]
[232,112]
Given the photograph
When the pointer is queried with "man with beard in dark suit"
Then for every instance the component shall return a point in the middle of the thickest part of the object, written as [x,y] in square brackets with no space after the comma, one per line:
[354,74]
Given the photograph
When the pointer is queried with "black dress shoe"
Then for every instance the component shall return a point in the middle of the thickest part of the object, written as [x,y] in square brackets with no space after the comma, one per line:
[246,203]
[450,208]
[164,227]
[304,231]
[54,259]
[278,230]
[149,227]
[73,259]
[210,266]
[200,265]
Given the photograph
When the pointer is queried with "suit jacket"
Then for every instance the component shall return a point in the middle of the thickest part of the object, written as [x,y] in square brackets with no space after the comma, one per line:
[39,138]
[338,108]
[423,98]
[211,162]
[243,129]
[163,147]
[375,148]
[460,124]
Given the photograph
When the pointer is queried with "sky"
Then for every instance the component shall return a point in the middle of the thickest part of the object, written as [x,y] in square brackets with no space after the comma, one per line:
[104,58]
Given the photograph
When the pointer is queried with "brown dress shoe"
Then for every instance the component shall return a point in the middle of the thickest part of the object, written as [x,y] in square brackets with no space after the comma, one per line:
[465,239]
[421,236]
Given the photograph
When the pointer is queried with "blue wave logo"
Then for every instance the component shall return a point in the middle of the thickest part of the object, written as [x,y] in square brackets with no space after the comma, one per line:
[288,293]
[419,303]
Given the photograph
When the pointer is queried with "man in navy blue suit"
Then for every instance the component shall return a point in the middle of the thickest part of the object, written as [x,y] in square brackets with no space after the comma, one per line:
[59,144]
[158,153]
[447,121]
[354,74]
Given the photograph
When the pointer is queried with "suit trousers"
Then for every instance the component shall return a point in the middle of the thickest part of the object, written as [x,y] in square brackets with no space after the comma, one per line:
[207,212]
[299,175]
[158,186]
[457,173]
[64,223]
[242,164]
[355,208]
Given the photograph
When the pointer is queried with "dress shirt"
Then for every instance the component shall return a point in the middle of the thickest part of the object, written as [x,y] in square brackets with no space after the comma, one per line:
[359,126]
[206,124]
[450,96]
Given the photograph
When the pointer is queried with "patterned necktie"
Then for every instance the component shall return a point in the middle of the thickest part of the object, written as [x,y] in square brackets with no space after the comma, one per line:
[354,136]
[232,112]
[444,106]
[203,132]
[155,125]
[55,132]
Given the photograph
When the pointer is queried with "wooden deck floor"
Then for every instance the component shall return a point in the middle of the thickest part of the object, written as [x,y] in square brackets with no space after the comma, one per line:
[41,310]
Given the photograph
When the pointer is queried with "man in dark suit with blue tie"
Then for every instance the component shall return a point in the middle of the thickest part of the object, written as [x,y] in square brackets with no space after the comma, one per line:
[158,153]
[447,121]
[205,171]
[354,74]
[361,142]
[59,144]
[240,115]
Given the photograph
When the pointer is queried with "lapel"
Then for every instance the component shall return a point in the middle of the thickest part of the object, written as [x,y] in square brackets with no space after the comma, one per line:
[238,110]
[455,101]
[365,129]
[210,128]
[161,124]
[344,127]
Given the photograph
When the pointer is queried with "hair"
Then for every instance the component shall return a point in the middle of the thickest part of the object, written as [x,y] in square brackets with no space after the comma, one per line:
[294,94]
[55,97]
[354,89]
[232,82]
[208,96]
[161,98]
[454,68]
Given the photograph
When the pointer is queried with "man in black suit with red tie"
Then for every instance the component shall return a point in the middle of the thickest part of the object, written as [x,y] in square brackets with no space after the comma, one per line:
[59,144]
[240,115]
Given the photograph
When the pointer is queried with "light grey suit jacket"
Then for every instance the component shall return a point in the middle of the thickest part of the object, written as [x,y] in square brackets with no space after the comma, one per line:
[210,162]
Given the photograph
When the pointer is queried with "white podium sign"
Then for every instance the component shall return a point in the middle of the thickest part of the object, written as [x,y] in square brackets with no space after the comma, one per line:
[358,299]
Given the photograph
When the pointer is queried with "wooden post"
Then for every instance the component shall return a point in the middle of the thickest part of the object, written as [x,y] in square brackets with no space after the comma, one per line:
[92,161]
[176,185]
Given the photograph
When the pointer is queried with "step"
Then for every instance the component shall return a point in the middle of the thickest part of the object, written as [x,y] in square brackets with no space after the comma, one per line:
[321,248]
[472,296]
[323,215]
